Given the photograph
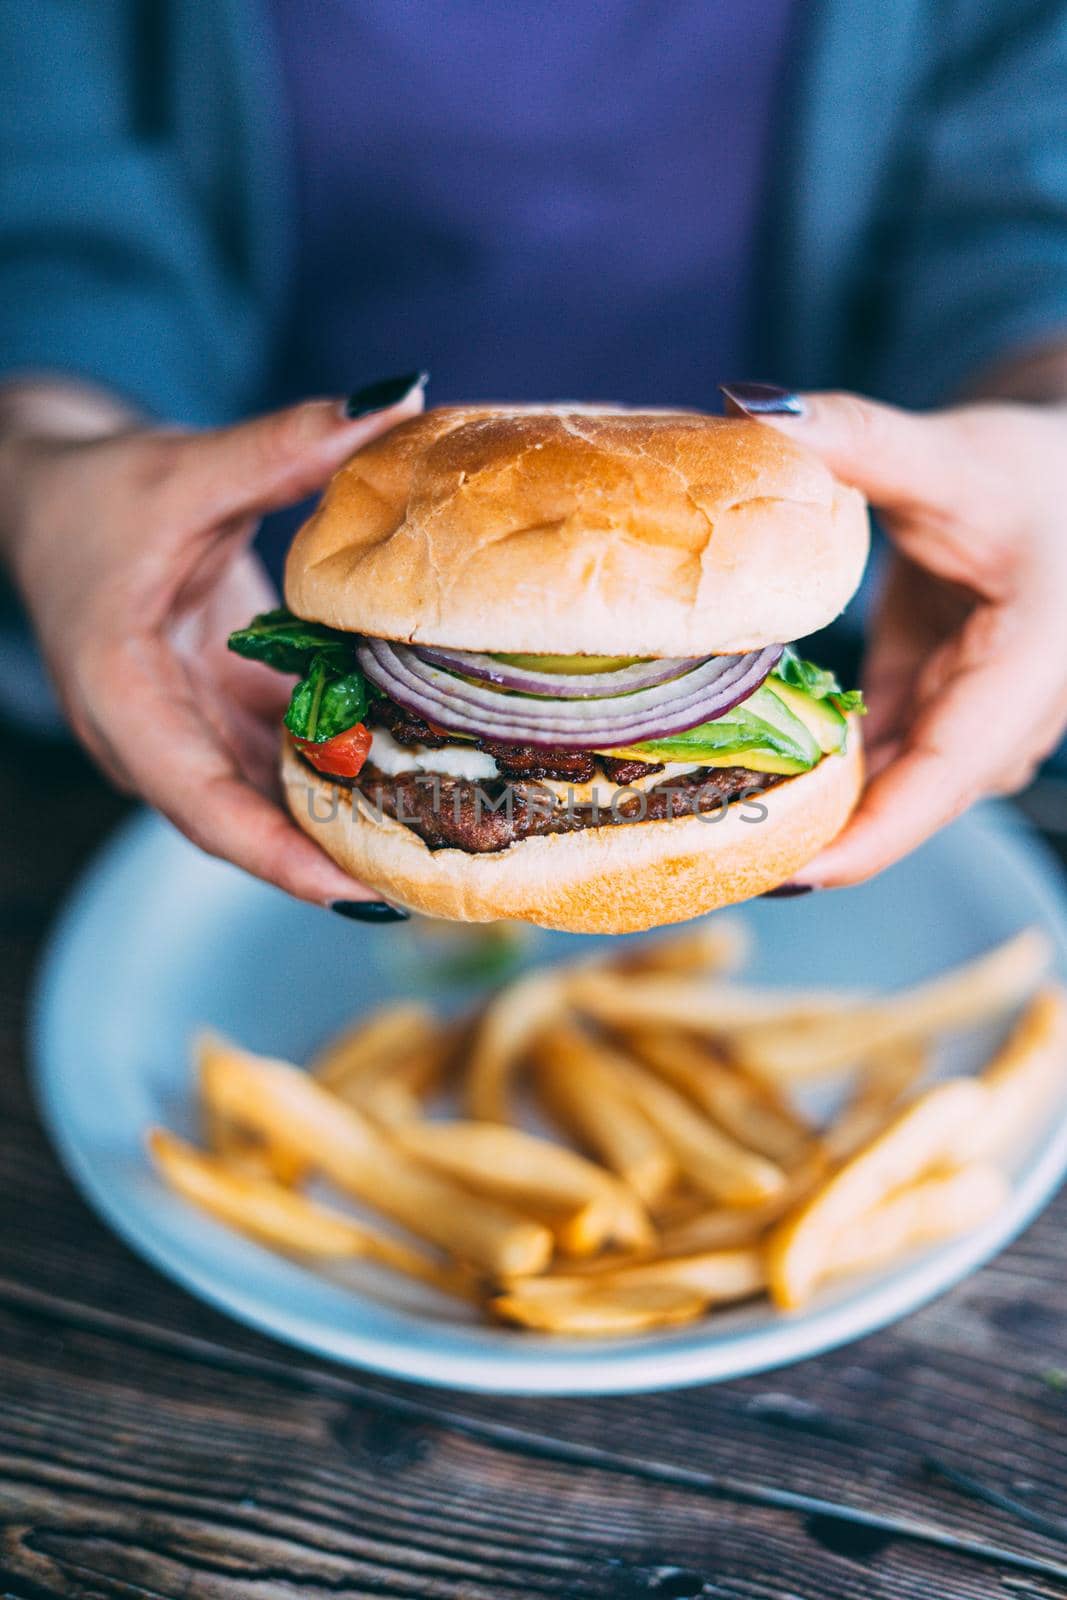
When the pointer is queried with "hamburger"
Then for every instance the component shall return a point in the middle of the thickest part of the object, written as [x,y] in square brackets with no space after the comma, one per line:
[544,669]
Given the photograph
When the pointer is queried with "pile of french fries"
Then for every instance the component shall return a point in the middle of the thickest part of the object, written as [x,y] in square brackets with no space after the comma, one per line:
[681,1174]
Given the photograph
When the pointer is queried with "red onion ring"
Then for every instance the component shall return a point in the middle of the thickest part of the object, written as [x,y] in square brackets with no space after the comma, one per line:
[705,692]
[558,685]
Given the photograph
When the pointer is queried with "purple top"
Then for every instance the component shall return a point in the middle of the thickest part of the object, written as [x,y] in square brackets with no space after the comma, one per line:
[534,201]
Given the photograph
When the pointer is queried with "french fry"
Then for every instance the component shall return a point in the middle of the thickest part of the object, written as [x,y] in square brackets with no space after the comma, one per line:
[391,1103]
[731,1227]
[244,1151]
[284,1165]
[630,1297]
[719,945]
[276,1216]
[1022,1077]
[970,995]
[505,1161]
[584,1205]
[580,1091]
[720,1228]
[940,1207]
[921,1139]
[884,1080]
[994,983]
[508,1025]
[288,1106]
[752,1112]
[397,1093]
[678,1205]
[230,1141]
[371,1046]
[260,1159]
[591,1309]
[720,1275]
[707,1186]
[614,1219]
[711,1161]
[714,1008]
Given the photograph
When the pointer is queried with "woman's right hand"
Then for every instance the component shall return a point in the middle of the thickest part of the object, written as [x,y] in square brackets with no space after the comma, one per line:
[130,546]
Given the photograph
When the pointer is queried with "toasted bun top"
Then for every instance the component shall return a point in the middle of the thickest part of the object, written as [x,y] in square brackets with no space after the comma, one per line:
[568,529]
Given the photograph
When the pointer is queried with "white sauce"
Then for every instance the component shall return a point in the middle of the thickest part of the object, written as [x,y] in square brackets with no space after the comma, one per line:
[454,760]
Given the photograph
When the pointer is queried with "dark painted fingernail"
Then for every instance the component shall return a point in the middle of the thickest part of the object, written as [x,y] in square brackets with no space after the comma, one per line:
[386,392]
[369,911]
[787,891]
[761,400]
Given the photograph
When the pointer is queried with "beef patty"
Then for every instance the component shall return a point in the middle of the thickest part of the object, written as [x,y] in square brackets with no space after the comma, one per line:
[458,814]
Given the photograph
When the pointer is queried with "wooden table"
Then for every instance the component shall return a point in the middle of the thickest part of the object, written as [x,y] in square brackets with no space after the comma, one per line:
[151,1447]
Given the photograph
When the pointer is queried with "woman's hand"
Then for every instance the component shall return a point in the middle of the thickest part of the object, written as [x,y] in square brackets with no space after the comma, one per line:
[132,552]
[966,674]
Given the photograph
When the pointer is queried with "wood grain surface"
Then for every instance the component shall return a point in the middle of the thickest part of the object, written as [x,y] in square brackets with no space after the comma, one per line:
[150,1447]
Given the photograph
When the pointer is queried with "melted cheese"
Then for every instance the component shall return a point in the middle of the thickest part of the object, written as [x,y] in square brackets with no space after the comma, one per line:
[600,791]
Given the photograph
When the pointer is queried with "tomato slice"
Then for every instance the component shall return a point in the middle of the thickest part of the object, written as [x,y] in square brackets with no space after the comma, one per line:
[340,757]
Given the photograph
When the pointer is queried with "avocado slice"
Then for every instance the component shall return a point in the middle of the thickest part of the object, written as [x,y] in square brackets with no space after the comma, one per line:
[822,719]
[772,708]
[757,760]
[761,733]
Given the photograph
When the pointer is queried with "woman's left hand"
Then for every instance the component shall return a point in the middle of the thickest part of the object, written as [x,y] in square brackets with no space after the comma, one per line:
[966,672]
[130,545]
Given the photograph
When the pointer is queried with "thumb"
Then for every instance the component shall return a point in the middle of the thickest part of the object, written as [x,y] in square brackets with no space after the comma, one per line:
[276,460]
[903,461]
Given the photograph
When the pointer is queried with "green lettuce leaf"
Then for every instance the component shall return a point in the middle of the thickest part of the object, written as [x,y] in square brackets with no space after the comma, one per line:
[289,644]
[332,694]
[325,702]
[817,681]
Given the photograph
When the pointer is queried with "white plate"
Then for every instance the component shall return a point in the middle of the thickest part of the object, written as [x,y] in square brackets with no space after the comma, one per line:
[158,940]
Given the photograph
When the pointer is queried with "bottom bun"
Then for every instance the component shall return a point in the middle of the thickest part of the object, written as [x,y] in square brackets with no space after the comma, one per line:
[614,879]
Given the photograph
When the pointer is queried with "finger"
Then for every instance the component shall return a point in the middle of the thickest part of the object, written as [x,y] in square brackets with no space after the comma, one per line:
[240,590]
[182,766]
[888,683]
[233,821]
[909,622]
[245,718]
[946,482]
[996,710]
[1019,776]
[276,460]
[879,756]
[900,459]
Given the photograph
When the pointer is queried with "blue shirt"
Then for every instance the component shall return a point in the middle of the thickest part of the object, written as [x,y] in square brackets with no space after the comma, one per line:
[535,201]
